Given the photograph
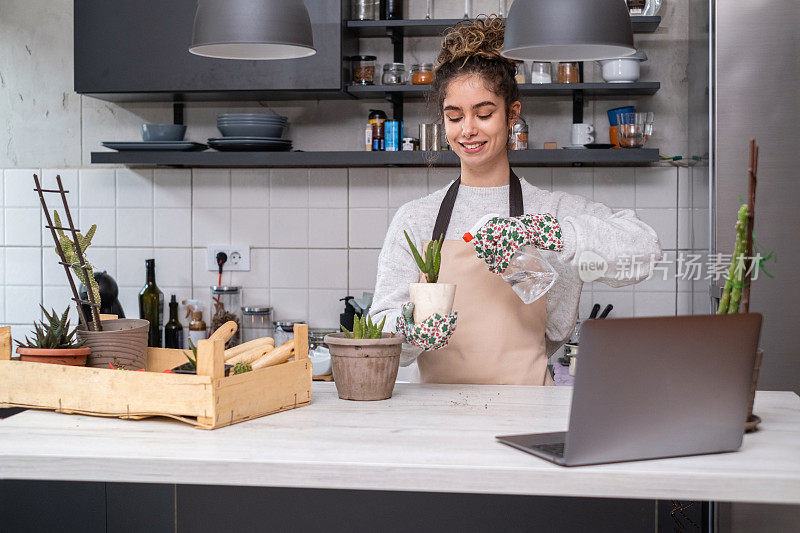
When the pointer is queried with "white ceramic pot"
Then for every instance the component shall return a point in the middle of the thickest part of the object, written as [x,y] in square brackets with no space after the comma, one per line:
[430,298]
[622,69]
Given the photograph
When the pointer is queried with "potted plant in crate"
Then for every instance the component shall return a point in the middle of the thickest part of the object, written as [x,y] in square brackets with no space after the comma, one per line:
[122,342]
[430,297]
[364,361]
[53,342]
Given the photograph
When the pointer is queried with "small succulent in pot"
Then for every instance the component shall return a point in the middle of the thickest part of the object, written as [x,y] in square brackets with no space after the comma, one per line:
[431,297]
[54,342]
[364,328]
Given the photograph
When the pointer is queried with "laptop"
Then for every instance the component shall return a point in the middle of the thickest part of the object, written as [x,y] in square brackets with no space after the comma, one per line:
[647,388]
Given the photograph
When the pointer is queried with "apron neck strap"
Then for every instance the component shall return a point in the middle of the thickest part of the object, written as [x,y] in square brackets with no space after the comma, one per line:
[516,207]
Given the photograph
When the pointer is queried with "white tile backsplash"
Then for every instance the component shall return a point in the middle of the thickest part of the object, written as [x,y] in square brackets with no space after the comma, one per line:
[324,308]
[172,187]
[327,269]
[173,267]
[172,227]
[656,186]
[98,187]
[573,181]
[327,228]
[22,304]
[18,187]
[327,187]
[288,269]
[250,226]
[258,276]
[654,303]
[536,176]
[106,221]
[130,266]
[69,180]
[134,187]
[211,187]
[288,187]
[289,304]
[368,187]
[368,227]
[406,184]
[211,226]
[60,298]
[134,227]
[2,267]
[250,188]
[23,266]
[288,228]
[614,187]
[363,269]
[23,226]
[663,222]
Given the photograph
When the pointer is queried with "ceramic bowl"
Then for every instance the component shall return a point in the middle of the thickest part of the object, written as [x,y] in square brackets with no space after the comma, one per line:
[163,132]
[251,130]
[622,69]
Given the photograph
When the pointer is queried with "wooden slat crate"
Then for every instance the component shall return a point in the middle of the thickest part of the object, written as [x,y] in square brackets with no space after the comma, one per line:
[208,400]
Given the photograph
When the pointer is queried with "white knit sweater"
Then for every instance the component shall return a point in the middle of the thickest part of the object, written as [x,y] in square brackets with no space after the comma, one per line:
[585,225]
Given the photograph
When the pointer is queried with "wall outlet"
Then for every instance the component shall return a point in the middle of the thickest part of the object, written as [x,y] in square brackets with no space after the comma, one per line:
[238,257]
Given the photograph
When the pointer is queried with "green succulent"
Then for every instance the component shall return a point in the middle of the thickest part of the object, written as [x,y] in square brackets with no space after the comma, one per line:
[364,328]
[433,258]
[192,361]
[71,257]
[241,368]
[54,333]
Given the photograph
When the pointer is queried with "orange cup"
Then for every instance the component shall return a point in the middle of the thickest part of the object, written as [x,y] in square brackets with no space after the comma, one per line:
[613,137]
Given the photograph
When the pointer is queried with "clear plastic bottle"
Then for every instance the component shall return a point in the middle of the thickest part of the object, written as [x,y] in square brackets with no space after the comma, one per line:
[529,275]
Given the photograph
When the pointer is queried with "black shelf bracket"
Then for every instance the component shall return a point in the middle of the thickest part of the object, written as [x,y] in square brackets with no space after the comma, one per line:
[577,107]
[397,36]
[396,100]
[177,113]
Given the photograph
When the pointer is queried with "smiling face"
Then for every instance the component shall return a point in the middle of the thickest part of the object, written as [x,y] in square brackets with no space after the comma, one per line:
[477,122]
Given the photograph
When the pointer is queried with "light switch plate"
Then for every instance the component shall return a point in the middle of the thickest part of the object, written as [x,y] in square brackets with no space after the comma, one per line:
[238,257]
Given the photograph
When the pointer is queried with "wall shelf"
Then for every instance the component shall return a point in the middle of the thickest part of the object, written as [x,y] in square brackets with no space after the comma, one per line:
[211,158]
[435,27]
[643,88]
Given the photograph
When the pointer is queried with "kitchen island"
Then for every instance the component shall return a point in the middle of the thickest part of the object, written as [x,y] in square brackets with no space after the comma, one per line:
[431,438]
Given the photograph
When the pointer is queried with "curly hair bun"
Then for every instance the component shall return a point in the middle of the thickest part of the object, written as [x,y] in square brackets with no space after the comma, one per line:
[480,38]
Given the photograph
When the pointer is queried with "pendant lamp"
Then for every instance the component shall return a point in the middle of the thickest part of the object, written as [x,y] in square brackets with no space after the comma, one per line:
[252,29]
[568,30]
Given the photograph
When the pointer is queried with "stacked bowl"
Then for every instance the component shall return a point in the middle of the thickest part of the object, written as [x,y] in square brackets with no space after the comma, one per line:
[251,131]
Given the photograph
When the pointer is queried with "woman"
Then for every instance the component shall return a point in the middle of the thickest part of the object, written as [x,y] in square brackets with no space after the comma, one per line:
[498,339]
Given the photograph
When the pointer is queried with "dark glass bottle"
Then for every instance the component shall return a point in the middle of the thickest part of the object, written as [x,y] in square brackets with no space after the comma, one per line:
[173,330]
[151,304]
[391,9]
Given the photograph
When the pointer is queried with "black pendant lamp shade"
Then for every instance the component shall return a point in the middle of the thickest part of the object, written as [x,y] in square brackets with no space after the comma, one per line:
[568,30]
[252,29]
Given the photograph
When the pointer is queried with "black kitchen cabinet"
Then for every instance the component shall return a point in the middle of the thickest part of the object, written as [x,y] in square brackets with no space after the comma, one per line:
[138,50]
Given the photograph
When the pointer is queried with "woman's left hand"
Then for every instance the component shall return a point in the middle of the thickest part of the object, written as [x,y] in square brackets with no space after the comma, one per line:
[501,237]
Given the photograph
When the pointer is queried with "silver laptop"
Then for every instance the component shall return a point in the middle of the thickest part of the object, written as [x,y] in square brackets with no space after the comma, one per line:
[655,387]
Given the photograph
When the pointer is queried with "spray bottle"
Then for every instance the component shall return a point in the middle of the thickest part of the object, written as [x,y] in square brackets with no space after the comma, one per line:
[197,328]
[529,275]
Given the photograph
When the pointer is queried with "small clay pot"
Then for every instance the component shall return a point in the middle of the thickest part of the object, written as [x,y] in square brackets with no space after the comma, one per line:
[364,369]
[69,356]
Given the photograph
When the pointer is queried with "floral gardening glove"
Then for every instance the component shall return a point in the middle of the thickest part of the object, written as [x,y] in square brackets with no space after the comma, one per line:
[432,333]
[501,237]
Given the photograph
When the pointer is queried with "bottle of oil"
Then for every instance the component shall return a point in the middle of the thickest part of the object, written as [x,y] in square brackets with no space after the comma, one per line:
[197,328]
[151,305]
[173,330]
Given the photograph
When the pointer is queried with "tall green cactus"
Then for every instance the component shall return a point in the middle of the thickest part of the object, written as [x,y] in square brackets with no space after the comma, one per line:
[71,257]
[732,294]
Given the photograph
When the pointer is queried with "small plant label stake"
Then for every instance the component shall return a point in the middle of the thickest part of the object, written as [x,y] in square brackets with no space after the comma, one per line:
[71,252]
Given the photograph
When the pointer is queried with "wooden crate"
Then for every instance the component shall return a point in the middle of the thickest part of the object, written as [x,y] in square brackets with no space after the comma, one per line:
[208,400]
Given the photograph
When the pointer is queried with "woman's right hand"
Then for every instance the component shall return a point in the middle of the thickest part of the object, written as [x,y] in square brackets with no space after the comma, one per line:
[433,333]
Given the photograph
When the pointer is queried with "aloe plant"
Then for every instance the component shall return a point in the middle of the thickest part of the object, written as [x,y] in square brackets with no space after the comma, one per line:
[433,258]
[364,328]
[53,334]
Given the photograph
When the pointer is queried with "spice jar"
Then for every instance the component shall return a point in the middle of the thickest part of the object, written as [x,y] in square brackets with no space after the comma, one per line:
[363,69]
[393,74]
[226,305]
[365,9]
[519,135]
[568,72]
[256,322]
[521,74]
[422,74]
[540,72]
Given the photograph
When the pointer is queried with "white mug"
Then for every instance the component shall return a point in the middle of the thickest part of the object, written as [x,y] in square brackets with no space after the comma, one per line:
[582,134]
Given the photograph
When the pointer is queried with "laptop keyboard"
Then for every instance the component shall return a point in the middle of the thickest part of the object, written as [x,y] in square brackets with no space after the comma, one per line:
[554,449]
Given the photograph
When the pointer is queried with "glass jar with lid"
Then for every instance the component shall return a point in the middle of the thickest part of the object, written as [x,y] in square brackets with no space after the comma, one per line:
[541,72]
[256,322]
[226,305]
[363,68]
[422,74]
[284,330]
[365,9]
[394,74]
[521,74]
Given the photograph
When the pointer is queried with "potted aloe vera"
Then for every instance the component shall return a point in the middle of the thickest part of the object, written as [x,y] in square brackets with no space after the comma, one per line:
[364,361]
[54,342]
[430,297]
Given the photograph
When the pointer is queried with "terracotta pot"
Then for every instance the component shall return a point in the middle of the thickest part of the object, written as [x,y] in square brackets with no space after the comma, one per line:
[430,298]
[123,343]
[70,357]
[364,369]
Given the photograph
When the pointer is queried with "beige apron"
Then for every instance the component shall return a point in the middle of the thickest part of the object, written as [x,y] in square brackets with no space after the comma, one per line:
[499,340]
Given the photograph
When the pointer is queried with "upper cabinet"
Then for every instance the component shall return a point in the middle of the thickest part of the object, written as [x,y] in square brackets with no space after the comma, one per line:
[138,50]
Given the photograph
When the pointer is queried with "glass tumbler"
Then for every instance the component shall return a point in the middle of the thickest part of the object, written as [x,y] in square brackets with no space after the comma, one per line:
[541,72]
[631,130]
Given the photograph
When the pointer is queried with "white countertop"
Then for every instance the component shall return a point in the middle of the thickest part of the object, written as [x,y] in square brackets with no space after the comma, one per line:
[426,438]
